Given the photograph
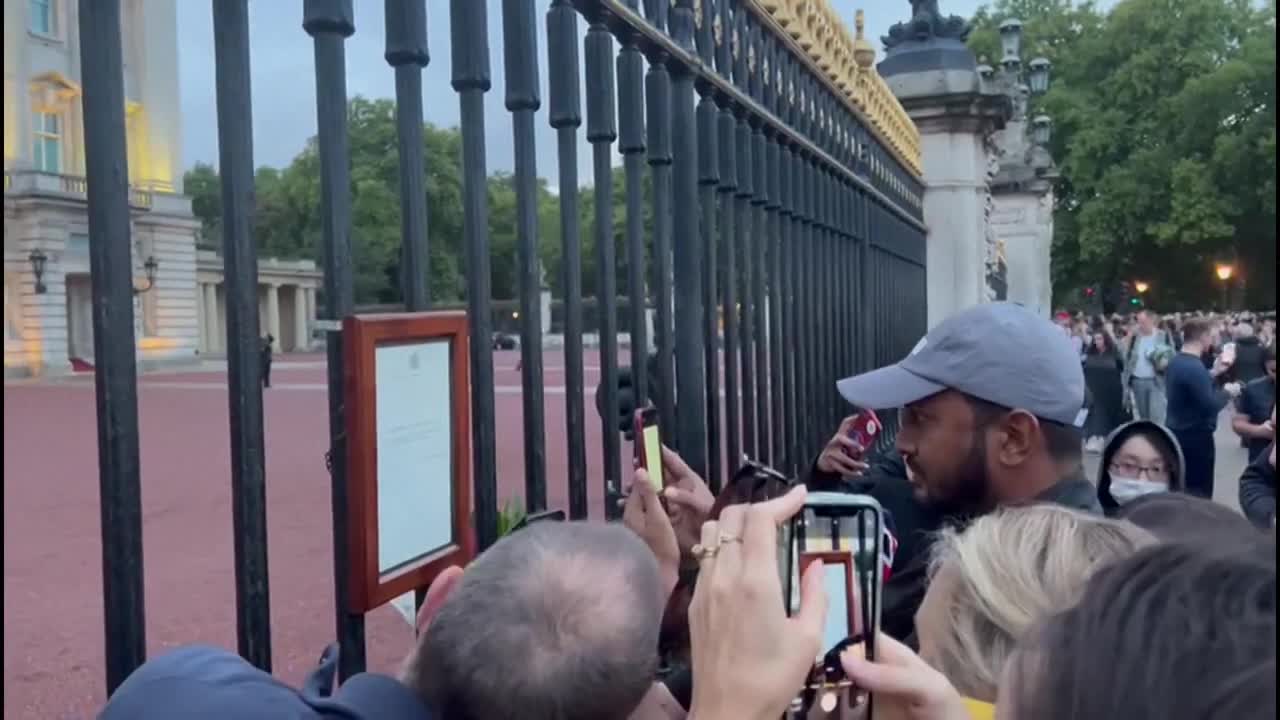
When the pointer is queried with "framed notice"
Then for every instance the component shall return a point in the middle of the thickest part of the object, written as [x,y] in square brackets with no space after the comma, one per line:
[408,451]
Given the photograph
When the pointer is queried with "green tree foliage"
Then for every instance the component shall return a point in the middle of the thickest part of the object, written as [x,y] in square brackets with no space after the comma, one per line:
[286,221]
[1164,132]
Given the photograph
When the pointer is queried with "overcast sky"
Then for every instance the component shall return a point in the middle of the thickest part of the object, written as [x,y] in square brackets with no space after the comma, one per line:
[284,81]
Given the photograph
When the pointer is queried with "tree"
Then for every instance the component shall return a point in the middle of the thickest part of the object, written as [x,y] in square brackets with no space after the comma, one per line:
[1164,131]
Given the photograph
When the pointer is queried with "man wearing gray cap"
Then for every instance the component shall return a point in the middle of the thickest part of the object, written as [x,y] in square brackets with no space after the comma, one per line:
[991,405]
[990,415]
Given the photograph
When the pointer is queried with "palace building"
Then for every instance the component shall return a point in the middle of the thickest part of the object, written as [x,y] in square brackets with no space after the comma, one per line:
[179,300]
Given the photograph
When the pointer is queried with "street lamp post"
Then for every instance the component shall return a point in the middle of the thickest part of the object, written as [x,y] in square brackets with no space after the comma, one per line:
[1224,272]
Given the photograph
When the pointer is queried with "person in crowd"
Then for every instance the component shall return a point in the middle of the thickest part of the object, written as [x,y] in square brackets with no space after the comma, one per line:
[558,620]
[1220,635]
[1140,458]
[555,621]
[1258,487]
[264,357]
[1146,357]
[1209,653]
[1179,517]
[1194,405]
[1251,355]
[1102,375]
[1252,420]
[991,402]
[1003,573]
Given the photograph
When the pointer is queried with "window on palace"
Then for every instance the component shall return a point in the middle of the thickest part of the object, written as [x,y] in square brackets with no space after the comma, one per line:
[47,136]
[43,16]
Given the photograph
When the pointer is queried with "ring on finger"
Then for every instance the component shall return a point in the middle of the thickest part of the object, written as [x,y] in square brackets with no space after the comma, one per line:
[705,553]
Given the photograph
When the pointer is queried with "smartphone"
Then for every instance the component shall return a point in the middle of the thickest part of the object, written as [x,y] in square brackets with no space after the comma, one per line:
[846,533]
[648,445]
[1228,355]
[866,427]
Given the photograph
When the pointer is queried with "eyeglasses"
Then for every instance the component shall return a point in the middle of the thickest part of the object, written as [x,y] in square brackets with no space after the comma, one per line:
[1134,470]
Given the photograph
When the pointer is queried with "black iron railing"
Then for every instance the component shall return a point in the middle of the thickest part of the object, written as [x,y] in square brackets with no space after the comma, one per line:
[785,191]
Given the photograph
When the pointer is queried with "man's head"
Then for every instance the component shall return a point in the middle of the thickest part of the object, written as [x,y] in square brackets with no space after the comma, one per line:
[991,403]
[1196,332]
[1146,322]
[556,621]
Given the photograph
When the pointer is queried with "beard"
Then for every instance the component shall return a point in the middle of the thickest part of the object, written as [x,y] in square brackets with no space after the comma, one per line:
[966,492]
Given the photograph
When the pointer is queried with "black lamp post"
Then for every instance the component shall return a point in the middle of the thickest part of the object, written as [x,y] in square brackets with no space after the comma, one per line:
[38,259]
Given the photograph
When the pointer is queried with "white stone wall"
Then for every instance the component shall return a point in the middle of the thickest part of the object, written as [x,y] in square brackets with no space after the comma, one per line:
[166,326]
[1024,221]
[955,175]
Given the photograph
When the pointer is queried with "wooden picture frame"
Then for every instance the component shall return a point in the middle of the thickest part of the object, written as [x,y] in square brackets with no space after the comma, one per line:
[414,336]
[829,559]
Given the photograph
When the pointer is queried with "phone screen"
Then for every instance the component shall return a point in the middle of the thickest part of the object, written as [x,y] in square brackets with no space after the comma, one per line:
[653,454]
[836,582]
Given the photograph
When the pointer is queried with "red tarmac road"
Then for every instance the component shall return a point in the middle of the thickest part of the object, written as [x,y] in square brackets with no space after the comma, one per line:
[53,639]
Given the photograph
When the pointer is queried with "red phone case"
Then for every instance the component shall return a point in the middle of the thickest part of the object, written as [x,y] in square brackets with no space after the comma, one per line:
[866,426]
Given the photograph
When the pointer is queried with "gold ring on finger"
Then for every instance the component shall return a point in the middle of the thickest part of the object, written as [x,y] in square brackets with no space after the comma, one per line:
[727,539]
[705,553]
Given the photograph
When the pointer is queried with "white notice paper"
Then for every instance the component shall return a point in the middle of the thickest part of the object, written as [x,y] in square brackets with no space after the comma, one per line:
[415,451]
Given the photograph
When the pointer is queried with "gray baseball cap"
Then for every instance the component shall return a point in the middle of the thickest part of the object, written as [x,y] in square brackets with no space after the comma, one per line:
[998,352]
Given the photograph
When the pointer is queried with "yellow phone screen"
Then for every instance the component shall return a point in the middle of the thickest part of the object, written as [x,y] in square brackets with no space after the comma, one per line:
[653,456]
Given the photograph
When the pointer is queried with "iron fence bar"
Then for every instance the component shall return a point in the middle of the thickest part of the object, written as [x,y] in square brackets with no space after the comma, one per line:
[406,34]
[652,39]
[657,83]
[822,279]
[244,367]
[631,143]
[708,177]
[330,23]
[746,238]
[115,369]
[469,41]
[787,283]
[602,130]
[566,116]
[520,55]
[773,254]
[759,304]
[690,369]
[728,127]
[746,278]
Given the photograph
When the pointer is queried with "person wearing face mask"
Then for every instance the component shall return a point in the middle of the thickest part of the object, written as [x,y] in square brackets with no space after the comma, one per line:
[1139,458]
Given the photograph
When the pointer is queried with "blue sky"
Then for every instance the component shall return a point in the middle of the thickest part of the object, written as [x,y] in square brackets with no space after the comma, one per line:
[284,81]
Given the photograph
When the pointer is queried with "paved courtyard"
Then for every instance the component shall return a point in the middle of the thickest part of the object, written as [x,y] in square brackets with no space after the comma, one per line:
[53,641]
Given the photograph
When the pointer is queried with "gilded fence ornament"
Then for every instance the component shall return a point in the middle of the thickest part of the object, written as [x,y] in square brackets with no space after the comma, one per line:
[847,64]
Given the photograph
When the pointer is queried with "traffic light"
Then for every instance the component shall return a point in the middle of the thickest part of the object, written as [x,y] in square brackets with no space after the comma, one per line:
[1135,301]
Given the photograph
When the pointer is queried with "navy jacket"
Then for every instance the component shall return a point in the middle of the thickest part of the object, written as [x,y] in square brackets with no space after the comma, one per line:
[199,682]
[1194,402]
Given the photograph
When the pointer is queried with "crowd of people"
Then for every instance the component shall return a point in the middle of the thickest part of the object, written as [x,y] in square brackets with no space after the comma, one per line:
[1173,376]
[1019,589]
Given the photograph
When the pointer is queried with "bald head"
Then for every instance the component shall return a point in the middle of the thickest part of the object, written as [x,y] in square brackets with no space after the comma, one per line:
[557,621]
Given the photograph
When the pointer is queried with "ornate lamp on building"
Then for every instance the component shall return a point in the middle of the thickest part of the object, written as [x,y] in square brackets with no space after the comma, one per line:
[1022,186]
[149,267]
[37,258]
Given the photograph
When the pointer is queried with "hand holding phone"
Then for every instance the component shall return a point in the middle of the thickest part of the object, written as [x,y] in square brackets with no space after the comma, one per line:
[845,450]
[863,432]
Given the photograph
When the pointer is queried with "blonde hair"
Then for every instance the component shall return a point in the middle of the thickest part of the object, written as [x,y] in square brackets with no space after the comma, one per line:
[1008,570]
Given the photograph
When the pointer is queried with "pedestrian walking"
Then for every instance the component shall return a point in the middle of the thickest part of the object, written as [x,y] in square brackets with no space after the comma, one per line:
[1194,404]
[265,358]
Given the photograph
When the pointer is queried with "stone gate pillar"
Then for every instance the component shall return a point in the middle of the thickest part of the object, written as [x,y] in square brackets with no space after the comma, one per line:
[935,77]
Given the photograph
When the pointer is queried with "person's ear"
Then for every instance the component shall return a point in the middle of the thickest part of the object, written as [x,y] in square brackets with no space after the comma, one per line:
[437,592]
[1018,437]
